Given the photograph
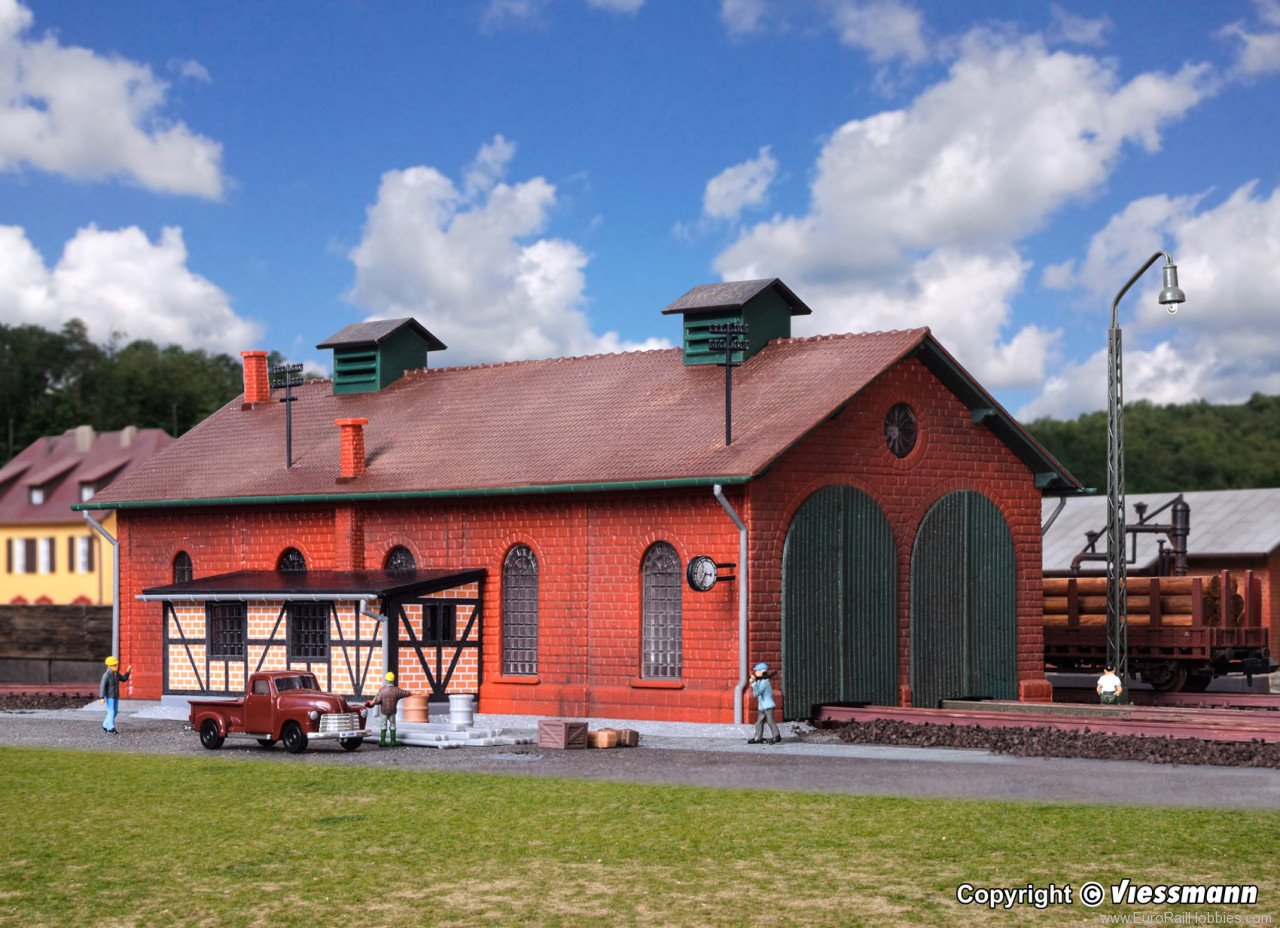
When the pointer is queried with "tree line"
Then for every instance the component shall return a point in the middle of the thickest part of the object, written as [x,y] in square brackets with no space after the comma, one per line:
[54,381]
[1189,446]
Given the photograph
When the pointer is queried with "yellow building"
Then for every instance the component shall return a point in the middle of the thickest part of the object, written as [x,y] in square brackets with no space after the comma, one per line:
[51,554]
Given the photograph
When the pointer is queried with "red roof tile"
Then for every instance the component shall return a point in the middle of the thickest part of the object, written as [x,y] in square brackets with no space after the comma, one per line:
[619,418]
[58,466]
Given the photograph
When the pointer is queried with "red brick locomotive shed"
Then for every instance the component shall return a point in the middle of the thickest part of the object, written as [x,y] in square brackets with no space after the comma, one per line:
[891,508]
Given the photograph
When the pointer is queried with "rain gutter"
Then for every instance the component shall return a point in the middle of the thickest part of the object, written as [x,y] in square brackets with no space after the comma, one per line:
[404,495]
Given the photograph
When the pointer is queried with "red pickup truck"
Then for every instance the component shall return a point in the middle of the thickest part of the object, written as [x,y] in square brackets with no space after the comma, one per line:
[280,705]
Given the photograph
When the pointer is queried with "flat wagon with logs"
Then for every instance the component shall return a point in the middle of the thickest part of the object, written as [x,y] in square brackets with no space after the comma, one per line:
[1183,630]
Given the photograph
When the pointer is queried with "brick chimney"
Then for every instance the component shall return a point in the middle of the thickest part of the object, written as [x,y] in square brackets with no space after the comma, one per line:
[257,383]
[352,447]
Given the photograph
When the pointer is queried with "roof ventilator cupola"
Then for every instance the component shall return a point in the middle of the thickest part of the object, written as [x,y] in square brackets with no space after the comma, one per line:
[368,356]
[764,306]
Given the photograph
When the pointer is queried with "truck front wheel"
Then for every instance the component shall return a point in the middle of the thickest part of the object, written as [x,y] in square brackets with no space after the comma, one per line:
[293,738]
[209,735]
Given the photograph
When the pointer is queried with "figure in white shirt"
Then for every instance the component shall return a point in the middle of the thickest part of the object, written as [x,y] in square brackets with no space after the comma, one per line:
[1109,686]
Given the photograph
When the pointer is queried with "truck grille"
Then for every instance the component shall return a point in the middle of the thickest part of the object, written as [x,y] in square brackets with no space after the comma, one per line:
[339,721]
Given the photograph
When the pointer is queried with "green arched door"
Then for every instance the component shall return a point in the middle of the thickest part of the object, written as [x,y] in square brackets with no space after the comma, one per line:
[963,603]
[839,603]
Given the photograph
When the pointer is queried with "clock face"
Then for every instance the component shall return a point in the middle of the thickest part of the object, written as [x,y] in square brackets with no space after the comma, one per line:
[702,573]
[900,430]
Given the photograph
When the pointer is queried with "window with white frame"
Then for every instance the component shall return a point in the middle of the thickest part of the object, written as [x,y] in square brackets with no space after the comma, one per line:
[44,556]
[37,496]
[84,554]
[86,492]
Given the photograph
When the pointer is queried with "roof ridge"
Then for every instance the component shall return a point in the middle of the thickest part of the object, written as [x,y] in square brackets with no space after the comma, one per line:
[832,336]
[423,371]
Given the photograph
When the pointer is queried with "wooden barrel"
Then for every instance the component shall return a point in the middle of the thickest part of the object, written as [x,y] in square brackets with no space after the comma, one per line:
[414,709]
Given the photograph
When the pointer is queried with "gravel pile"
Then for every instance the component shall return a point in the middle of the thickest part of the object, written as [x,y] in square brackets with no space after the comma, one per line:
[1053,742]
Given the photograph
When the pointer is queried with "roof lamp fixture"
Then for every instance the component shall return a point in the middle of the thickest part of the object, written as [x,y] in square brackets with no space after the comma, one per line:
[1117,580]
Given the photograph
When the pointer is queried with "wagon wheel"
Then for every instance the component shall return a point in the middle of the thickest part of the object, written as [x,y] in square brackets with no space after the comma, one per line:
[1197,682]
[1165,678]
[267,742]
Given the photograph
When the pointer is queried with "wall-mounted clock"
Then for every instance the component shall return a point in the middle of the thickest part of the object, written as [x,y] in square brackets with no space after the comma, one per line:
[701,573]
[900,430]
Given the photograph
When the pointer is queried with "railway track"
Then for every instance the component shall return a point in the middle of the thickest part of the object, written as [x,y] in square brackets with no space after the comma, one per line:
[1251,701]
[1208,724]
[87,690]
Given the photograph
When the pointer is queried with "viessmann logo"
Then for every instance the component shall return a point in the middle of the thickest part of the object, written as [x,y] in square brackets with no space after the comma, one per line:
[1093,894]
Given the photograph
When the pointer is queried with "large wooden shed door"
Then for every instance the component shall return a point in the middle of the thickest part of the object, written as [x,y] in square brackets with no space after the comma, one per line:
[963,603]
[839,596]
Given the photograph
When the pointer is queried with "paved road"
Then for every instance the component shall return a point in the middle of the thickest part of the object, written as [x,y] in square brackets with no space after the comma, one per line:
[718,757]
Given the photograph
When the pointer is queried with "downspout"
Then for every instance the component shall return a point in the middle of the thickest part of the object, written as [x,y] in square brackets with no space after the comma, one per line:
[115,580]
[742,604]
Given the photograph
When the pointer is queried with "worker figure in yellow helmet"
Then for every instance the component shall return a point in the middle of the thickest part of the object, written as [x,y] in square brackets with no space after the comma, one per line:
[109,692]
[386,699]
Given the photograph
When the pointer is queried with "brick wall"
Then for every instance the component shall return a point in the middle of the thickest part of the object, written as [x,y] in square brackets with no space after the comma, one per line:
[590,548]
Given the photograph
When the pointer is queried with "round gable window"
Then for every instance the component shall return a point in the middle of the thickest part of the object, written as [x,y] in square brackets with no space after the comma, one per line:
[900,430]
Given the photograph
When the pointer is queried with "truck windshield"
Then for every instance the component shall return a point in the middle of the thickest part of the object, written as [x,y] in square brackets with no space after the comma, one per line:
[304,681]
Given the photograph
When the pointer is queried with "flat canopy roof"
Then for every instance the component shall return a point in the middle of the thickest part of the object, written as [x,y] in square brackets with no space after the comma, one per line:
[316,584]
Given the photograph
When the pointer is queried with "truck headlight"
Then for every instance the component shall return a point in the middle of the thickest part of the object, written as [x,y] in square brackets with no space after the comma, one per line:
[313,715]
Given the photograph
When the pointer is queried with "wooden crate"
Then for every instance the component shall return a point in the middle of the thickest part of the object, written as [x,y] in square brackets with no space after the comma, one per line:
[628,738]
[562,734]
[604,738]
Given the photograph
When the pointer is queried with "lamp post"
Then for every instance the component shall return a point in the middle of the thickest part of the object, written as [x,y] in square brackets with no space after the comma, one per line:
[1117,560]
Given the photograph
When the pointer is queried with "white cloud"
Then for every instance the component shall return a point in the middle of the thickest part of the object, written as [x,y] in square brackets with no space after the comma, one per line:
[740,186]
[1078,30]
[1259,52]
[190,69]
[70,111]
[472,267]
[884,29]
[617,6]
[917,212]
[120,281]
[1224,342]
[741,17]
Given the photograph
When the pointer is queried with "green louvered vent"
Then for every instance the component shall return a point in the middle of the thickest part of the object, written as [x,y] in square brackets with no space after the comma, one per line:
[839,604]
[697,339]
[963,603]
[355,371]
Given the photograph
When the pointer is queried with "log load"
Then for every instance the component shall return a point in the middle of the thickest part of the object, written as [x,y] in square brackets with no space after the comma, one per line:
[1176,602]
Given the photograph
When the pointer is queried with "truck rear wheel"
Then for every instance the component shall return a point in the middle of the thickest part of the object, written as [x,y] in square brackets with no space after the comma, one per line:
[294,738]
[210,736]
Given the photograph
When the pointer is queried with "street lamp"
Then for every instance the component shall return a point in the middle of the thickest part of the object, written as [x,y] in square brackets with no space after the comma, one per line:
[1117,575]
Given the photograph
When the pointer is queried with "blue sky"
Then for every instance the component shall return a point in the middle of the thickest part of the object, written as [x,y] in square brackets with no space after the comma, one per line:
[533,178]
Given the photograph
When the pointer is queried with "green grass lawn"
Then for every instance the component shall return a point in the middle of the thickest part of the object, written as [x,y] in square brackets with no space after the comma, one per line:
[118,839]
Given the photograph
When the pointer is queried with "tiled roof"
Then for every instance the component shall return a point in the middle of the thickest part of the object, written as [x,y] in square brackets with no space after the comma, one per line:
[606,419]
[58,466]
[1222,522]
[734,294]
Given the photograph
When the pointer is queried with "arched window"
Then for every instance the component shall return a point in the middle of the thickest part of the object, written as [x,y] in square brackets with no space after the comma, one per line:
[400,558]
[661,644]
[520,612]
[291,561]
[182,568]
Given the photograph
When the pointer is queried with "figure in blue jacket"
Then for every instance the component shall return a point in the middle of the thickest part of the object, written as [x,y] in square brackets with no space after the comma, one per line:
[763,689]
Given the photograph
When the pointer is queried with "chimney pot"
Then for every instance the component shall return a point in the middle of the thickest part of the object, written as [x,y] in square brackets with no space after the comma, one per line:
[84,437]
[352,447]
[127,435]
[257,383]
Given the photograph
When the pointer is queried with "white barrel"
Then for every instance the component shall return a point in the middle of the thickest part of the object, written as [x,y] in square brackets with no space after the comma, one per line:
[461,709]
